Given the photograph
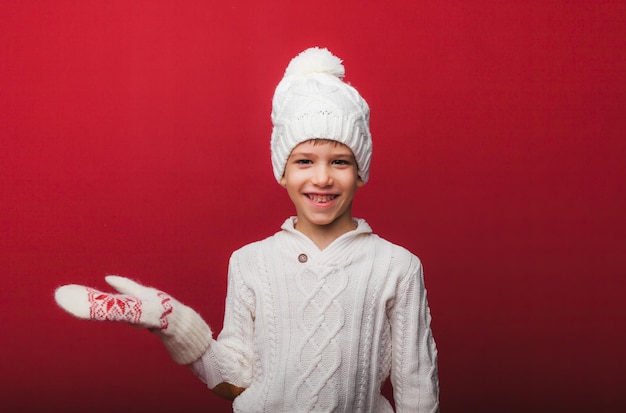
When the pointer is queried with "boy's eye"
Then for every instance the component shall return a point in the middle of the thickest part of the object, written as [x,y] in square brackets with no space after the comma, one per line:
[341,162]
[303,161]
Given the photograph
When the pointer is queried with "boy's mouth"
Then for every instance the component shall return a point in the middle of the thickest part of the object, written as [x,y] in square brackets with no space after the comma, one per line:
[321,198]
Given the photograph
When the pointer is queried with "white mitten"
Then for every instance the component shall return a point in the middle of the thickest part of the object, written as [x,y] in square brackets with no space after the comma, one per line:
[183,332]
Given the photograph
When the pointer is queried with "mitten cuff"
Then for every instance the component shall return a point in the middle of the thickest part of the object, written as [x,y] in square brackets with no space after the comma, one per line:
[187,337]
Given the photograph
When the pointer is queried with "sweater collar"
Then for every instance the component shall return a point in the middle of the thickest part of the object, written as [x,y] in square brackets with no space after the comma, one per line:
[342,249]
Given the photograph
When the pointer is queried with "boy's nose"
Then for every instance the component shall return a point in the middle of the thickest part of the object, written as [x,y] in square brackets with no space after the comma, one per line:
[322,176]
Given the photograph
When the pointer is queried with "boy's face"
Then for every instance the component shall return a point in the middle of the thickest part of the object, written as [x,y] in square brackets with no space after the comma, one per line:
[321,178]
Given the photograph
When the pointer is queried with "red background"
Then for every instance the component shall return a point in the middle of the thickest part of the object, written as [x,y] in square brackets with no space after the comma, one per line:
[135,140]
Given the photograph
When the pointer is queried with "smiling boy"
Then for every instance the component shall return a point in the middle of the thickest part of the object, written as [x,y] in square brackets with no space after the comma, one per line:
[321,178]
[320,314]
[323,311]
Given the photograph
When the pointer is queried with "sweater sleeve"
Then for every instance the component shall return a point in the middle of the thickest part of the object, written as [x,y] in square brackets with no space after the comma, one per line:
[230,358]
[414,354]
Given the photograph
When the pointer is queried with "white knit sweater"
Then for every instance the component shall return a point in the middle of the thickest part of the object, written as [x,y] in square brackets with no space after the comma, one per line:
[310,330]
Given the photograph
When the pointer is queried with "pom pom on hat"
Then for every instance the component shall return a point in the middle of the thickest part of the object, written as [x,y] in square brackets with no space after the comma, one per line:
[313,102]
[316,60]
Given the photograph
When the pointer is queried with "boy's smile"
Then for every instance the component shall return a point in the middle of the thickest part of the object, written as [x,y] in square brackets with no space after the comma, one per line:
[321,198]
[321,178]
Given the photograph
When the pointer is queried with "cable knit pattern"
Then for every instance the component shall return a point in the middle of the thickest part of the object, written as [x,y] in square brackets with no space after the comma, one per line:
[270,328]
[367,341]
[309,330]
[321,317]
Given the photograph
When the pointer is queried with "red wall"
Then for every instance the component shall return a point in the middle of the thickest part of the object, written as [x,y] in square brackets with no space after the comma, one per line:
[135,140]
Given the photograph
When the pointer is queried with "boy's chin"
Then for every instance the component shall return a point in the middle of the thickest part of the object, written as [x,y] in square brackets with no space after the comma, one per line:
[326,222]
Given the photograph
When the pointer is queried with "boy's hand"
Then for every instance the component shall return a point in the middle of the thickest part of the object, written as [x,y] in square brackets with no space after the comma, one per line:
[183,332]
[227,391]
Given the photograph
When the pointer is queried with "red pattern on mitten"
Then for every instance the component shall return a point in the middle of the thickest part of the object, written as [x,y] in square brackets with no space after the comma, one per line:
[167,307]
[113,307]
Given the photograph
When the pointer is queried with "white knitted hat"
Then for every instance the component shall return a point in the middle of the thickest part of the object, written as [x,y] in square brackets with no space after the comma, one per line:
[312,101]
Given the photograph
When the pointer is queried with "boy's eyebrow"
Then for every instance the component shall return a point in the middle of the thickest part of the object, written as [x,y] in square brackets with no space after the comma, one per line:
[301,154]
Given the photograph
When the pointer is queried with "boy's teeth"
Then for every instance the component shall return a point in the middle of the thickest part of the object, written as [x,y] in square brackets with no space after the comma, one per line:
[321,198]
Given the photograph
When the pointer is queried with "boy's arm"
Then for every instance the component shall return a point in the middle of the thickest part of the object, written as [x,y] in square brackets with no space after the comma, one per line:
[226,366]
[414,354]
[183,332]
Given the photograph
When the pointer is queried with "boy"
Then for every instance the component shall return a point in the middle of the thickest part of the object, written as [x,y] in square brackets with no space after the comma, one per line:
[321,313]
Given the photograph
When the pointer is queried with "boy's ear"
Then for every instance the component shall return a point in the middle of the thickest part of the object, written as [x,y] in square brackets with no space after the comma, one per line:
[283,182]
[359,182]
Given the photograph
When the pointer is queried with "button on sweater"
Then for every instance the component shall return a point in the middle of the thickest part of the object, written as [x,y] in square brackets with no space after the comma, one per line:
[310,330]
